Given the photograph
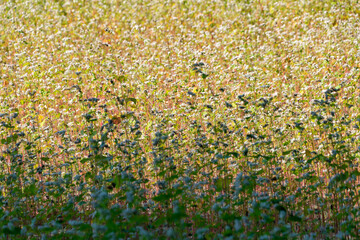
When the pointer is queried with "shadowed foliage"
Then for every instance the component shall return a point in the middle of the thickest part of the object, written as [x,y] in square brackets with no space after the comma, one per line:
[179,119]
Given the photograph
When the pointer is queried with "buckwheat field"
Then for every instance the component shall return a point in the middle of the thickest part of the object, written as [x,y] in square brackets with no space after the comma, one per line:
[175,119]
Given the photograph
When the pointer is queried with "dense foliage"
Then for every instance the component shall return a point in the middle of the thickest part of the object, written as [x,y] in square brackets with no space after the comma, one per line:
[179,119]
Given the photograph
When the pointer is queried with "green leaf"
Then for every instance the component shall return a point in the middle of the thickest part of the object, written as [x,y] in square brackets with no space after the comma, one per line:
[139,219]
[102,160]
[84,160]
[89,175]
[121,78]
[223,183]
[162,197]
[294,218]
[234,154]
[11,138]
[280,208]
[30,190]
[287,152]
[131,100]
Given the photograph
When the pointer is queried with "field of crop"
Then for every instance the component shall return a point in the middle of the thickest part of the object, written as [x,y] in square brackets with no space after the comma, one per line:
[179,119]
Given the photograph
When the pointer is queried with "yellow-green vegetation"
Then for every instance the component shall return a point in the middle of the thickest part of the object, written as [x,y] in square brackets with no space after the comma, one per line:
[179,119]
